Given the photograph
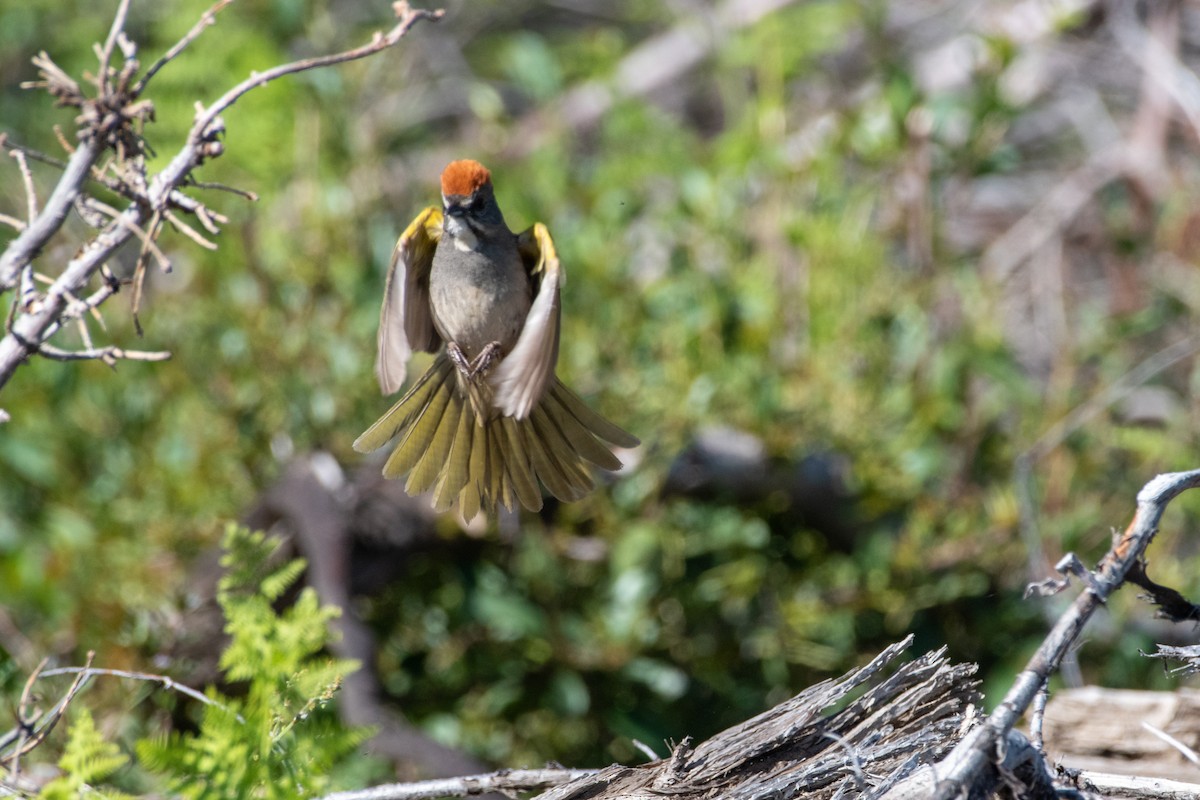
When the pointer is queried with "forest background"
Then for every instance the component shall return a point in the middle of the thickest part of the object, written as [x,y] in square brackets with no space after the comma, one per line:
[925,271]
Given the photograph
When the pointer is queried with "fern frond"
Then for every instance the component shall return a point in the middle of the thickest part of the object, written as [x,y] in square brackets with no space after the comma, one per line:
[87,760]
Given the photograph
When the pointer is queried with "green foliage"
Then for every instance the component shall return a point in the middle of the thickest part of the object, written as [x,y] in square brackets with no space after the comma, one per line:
[280,740]
[87,759]
[271,735]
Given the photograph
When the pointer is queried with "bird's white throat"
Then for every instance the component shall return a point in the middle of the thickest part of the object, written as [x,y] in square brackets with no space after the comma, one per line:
[464,238]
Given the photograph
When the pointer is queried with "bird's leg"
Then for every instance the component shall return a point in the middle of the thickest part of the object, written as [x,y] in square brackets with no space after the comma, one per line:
[483,362]
[455,354]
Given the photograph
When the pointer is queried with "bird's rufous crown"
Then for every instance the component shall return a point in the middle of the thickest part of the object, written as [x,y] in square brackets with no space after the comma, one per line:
[464,177]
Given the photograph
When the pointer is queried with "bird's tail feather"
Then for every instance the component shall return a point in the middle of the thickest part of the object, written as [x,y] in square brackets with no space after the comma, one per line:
[486,460]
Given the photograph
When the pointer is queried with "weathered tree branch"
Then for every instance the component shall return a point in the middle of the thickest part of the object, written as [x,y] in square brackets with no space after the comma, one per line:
[800,748]
[507,781]
[23,249]
[108,123]
[981,748]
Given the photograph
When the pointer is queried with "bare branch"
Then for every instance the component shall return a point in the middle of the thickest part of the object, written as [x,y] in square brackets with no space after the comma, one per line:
[1183,749]
[139,268]
[189,231]
[148,245]
[167,683]
[63,143]
[206,19]
[27,295]
[98,175]
[1106,785]
[23,249]
[977,751]
[223,188]
[24,725]
[208,217]
[645,750]
[118,27]
[1171,604]
[84,333]
[111,286]
[31,202]
[407,16]
[33,727]
[1079,416]
[511,780]
[109,122]
[1037,723]
[58,83]
[109,355]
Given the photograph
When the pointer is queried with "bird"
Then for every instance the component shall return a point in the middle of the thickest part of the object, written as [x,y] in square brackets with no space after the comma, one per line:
[489,419]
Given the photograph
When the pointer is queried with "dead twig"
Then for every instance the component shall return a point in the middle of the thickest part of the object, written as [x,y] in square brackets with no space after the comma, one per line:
[208,18]
[505,781]
[33,238]
[407,16]
[190,232]
[221,187]
[31,201]
[1171,604]
[32,726]
[1171,741]
[167,683]
[147,237]
[109,355]
[139,267]
[117,30]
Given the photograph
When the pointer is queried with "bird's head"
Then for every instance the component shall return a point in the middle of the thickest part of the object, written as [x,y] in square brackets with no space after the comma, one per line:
[469,204]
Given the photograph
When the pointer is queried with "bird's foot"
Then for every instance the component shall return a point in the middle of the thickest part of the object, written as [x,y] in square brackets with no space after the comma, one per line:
[455,354]
[483,362]
[476,366]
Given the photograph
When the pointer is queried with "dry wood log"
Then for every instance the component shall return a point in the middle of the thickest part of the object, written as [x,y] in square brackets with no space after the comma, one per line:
[839,738]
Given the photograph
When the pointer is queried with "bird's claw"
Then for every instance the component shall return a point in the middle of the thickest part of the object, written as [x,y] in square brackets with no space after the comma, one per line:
[483,362]
[477,366]
[455,354]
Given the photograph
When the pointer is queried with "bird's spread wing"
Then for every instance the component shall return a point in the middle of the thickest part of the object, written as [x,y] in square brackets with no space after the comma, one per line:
[528,370]
[406,321]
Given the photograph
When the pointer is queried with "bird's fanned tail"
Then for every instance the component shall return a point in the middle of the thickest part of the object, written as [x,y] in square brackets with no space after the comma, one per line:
[484,460]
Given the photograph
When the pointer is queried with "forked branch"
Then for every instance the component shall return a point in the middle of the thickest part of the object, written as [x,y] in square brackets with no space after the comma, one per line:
[981,749]
[111,121]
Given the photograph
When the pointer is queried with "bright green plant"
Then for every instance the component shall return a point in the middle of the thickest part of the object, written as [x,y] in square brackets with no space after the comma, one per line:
[87,759]
[280,739]
[272,735]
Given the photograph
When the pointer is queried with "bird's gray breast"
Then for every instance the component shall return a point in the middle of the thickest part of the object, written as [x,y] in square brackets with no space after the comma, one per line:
[478,296]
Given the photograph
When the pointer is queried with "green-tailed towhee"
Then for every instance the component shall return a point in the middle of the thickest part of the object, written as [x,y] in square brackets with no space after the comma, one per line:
[488,419]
